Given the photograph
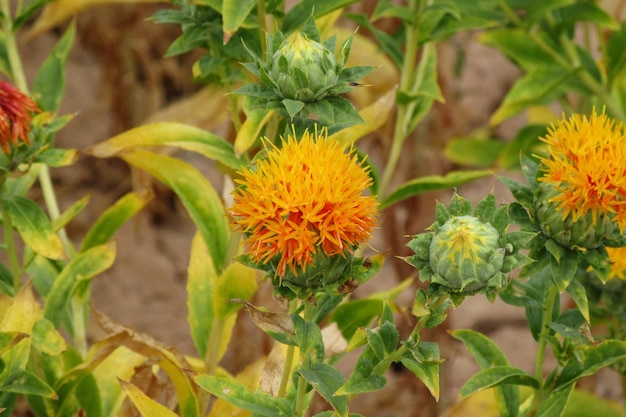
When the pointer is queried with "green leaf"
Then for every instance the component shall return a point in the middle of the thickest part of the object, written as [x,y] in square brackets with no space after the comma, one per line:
[146,405]
[327,380]
[431,183]
[234,13]
[179,135]
[33,226]
[577,291]
[47,339]
[495,377]
[424,361]
[335,110]
[237,394]
[555,404]
[308,338]
[294,107]
[201,281]
[355,314]
[588,12]
[481,153]
[593,358]
[27,383]
[55,157]
[564,271]
[487,354]
[298,15]
[196,193]
[21,184]
[49,85]
[114,217]
[540,86]
[70,213]
[616,54]
[82,268]
[518,45]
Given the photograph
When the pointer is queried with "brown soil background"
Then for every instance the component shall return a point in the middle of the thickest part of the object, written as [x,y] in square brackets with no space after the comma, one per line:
[117,78]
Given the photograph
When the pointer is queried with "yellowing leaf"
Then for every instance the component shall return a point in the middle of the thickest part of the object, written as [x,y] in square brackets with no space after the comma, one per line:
[169,134]
[34,227]
[119,364]
[251,130]
[22,312]
[146,405]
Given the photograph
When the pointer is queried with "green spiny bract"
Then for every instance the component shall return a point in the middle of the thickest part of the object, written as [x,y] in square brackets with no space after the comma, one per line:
[467,253]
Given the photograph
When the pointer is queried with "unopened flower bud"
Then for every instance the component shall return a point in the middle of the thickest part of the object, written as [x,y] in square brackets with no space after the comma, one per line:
[303,69]
[465,254]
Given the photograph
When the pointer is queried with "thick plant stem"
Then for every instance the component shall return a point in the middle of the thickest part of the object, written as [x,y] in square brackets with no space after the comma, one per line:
[543,343]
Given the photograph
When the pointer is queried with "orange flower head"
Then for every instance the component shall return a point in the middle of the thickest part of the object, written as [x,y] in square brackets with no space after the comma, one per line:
[617,258]
[304,200]
[587,166]
[16,111]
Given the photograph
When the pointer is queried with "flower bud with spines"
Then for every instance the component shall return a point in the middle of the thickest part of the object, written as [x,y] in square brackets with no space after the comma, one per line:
[303,69]
[467,253]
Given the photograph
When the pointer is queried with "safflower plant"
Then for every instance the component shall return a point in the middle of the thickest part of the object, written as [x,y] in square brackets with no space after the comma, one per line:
[302,208]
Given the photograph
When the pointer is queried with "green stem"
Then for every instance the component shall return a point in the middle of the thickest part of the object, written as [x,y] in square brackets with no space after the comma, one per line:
[52,205]
[543,343]
[301,402]
[408,83]
[282,390]
[10,44]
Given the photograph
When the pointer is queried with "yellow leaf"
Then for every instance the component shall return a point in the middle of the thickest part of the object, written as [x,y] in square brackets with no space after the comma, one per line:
[22,313]
[146,405]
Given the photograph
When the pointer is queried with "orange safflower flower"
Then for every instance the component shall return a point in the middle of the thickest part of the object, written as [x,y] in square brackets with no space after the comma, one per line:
[587,165]
[304,198]
[16,111]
